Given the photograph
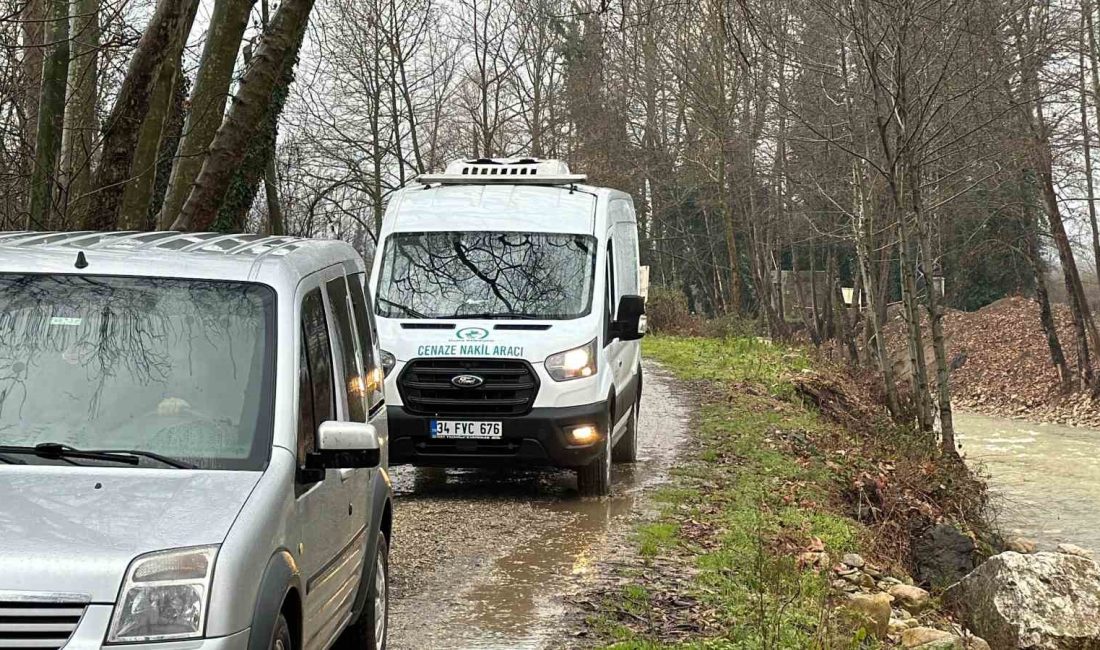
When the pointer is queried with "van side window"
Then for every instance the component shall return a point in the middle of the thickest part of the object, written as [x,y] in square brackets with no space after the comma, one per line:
[368,337]
[626,234]
[316,399]
[350,354]
[612,295]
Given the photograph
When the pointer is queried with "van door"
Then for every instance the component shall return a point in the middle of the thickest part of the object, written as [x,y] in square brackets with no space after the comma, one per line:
[323,506]
[614,348]
[627,281]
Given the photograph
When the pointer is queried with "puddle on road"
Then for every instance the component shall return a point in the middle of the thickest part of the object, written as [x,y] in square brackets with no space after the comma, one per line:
[1045,478]
[519,603]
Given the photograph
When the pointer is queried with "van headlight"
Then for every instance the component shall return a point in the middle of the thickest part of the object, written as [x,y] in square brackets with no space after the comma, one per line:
[573,364]
[164,596]
[388,361]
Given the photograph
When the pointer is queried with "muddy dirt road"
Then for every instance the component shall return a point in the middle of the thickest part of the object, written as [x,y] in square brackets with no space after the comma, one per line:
[1045,478]
[483,559]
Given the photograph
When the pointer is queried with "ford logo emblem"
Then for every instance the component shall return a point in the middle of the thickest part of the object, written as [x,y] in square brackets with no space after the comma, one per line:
[467,381]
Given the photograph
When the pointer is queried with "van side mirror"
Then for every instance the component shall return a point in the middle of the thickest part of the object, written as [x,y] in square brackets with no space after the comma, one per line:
[346,445]
[630,320]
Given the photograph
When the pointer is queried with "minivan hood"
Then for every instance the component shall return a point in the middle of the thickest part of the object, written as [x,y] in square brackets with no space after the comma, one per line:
[409,339]
[75,529]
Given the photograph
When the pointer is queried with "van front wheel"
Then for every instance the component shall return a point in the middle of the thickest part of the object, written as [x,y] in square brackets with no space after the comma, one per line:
[594,479]
[626,449]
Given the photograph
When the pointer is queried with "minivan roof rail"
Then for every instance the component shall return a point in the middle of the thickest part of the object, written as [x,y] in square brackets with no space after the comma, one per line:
[504,171]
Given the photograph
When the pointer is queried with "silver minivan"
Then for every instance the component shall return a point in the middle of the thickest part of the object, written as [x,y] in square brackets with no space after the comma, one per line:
[193,444]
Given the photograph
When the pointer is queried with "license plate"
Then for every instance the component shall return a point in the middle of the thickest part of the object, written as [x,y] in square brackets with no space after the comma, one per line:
[465,429]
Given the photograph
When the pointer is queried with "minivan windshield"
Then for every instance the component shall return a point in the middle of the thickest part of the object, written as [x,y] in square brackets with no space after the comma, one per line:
[505,275]
[171,367]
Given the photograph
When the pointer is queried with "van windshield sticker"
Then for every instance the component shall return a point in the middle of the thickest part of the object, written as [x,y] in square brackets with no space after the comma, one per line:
[470,342]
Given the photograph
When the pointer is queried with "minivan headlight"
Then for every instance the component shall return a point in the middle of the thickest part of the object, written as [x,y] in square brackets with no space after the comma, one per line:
[573,364]
[164,596]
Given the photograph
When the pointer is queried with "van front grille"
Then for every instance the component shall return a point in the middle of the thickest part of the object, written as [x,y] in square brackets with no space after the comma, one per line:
[37,624]
[508,387]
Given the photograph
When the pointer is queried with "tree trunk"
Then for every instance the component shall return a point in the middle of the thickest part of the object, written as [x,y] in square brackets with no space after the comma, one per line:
[81,121]
[34,38]
[138,194]
[275,225]
[241,194]
[939,341]
[131,108]
[231,141]
[917,361]
[1094,68]
[1046,315]
[51,117]
[1086,147]
[219,55]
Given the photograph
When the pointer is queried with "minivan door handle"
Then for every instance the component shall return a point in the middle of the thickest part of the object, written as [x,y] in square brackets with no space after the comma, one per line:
[345,474]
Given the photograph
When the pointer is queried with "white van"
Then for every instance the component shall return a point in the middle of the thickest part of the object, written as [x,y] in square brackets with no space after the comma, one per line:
[509,312]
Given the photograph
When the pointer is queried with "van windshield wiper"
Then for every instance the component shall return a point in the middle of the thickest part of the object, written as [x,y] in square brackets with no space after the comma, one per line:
[62,451]
[409,311]
[496,315]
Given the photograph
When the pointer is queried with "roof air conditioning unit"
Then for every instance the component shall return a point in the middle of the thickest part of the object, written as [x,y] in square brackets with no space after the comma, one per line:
[504,171]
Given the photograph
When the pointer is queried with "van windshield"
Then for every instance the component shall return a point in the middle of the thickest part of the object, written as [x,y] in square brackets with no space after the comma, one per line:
[505,275]
[178,368]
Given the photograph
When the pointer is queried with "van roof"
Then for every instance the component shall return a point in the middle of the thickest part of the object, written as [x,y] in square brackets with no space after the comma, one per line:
[528,208]
[277,261]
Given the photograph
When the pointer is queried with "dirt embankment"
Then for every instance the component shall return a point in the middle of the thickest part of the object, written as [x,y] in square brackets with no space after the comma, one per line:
[1001,363]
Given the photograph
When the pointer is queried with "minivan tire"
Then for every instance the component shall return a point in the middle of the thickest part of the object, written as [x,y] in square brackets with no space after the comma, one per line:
[626,449]
[280,636]
[594,479]
[365,632]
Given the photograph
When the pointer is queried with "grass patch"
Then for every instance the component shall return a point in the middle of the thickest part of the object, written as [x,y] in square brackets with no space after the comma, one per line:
[755,494]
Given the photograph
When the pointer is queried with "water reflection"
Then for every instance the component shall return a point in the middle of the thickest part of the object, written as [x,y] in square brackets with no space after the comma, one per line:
[1045,478]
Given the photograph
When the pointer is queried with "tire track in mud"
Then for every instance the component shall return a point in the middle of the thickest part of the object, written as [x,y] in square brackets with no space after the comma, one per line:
[485,559]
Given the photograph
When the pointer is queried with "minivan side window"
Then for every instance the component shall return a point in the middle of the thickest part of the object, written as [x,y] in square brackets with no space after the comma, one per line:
[350,353]
[317,397]
[368,336]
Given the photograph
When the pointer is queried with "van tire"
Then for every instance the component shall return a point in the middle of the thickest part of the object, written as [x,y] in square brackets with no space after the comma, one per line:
[280,637]
[361,634]
[626,449]
[594,479]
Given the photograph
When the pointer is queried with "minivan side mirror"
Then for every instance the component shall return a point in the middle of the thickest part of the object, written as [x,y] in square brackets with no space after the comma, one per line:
[346,445]
[630,321]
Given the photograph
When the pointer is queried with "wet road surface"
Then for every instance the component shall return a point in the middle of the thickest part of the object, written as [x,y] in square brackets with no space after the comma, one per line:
[1045,478]
[483,559]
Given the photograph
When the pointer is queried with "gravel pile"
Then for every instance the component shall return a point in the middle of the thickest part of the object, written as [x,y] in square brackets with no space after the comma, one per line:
[1002,364]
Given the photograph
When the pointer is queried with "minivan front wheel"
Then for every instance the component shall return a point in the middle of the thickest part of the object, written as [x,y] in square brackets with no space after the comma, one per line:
[280,638]
[594,479]
[369,632]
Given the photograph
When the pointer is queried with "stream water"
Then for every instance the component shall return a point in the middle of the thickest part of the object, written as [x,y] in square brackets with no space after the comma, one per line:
[1044,478]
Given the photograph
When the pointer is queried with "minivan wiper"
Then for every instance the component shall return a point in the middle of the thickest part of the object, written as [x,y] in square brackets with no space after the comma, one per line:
[59,451]
[62,451]
[166,460]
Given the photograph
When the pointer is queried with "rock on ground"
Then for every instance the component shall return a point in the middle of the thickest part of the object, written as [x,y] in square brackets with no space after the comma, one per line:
[873,612]
[911,599]
[943,555]
[1021,545]
[1045,601]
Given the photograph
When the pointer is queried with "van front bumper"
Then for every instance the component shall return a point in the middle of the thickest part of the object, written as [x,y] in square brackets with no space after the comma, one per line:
[535,439]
